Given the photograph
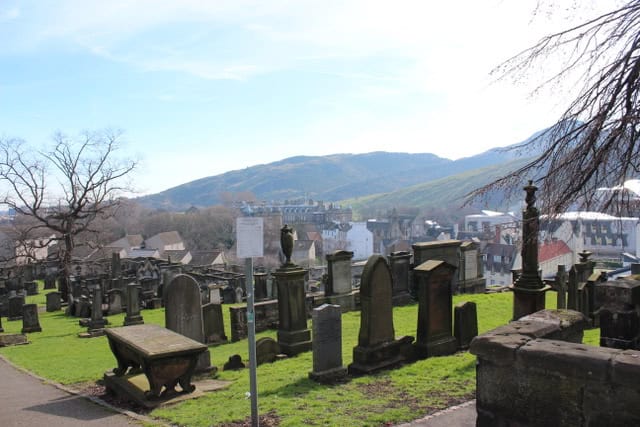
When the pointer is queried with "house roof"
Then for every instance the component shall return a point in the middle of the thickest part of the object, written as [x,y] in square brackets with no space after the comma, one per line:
[128,241]
[314,235]
[302,245]
[143,253]
[199,258]
[553,249]
[176,255]
[168,237]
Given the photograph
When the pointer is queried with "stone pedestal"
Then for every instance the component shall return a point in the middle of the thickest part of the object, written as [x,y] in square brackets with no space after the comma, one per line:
[133,316]
[400,265]
[293,335]
[434,333]
[30,321]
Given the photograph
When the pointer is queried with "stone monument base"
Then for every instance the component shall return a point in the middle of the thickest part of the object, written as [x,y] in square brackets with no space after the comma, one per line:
[294,342]
[329,376]
[30,329]
[92,333]
[440,347]
[347,302]
[402,298]
[382,356]
[527,301]
[133,320]
[13,339]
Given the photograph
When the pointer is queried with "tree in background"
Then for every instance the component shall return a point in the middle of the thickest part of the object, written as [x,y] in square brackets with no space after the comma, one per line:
[595,142]
[63,192]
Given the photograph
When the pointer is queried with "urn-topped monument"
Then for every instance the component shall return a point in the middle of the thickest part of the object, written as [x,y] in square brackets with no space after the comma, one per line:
[293,335]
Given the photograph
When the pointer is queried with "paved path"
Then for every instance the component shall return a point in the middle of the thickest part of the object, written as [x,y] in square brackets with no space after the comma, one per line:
[458,416]
[27,401]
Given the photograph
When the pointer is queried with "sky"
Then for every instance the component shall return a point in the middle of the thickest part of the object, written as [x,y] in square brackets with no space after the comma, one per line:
[200,88]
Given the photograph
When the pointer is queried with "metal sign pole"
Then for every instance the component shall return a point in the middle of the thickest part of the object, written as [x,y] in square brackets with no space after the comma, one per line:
[251,326]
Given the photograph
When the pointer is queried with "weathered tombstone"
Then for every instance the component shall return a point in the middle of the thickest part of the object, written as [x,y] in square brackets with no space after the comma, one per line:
[183,313]
[327,344]
[239,295]
[83,307]
[293,335]
[572,290]
[234,363]
[115,301]
[116,268]
[30,321]
[338,287]
[260,286]
[445,250]
[31,287]
[133,316]
[377,347]
[465,323]
[561,286]
[54,302]
[619,315]
[434,335]
[49,282]
[400,263]
[1,328]
[213,324]
[63,288]
[97,322]
[15,307]
[228,295]
[215,296]
[529,290]
[267,350]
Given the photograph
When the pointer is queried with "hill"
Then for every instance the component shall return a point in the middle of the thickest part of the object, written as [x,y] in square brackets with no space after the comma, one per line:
[330,178]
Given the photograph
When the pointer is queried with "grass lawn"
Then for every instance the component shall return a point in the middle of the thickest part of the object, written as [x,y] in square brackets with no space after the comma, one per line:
[284,390]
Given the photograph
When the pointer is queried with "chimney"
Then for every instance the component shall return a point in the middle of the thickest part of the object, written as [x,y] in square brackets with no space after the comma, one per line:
[498,237]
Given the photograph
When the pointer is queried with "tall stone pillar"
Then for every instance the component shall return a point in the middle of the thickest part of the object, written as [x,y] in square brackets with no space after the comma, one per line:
[293,335]
[528,289]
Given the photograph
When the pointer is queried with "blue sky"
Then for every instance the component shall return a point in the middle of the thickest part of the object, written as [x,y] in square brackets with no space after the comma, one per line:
[204,87]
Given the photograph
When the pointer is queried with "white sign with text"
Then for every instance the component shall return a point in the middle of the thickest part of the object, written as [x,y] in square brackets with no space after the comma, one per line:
[250,237]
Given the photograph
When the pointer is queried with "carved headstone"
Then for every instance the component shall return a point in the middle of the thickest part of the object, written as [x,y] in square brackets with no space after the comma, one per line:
[133,316]
[54,302]
[30,321]
[115,301]
[338,287]
[465,323]
[434,335]
[377,347]
[31,287]
[267,350]
[327,344]
[260,286]
[15,307]
[49,282]
[400,264]
[561,286]
[183,313]
[213,324]
[97,322]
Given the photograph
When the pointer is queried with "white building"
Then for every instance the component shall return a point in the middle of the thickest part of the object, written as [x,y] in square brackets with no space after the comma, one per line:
[487,220]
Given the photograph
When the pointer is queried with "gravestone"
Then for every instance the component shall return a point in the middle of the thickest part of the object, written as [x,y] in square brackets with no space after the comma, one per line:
[434,335]
[260,286]
[54,302]
[15,307]
[234,363]
[1,328]
[327,344]
[116,268]
[444,250]
[572,290]
[49,282]
[183,313]
[465,323]
[97,322]
[338,287]
[30,321]
[239,295]
[561,287]
[619,314]
[213,324]
[400,264]
[377,347]
[267,350]
[115,301]
[529,290]
[133,316]
[31,287]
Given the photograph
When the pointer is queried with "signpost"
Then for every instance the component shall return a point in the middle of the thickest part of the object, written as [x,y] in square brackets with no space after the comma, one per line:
[250,244]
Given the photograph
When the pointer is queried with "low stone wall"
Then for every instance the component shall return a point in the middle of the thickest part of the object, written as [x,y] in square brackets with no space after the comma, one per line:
[534,372]
[266,317]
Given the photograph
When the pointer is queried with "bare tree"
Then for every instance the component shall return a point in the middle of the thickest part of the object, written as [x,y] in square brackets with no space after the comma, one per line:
[595,142]
[65,190]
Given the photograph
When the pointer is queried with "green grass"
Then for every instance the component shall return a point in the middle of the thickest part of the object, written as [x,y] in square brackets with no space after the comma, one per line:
[284,389]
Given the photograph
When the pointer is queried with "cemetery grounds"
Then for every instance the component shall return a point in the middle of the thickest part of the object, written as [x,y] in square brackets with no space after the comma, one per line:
[286,397]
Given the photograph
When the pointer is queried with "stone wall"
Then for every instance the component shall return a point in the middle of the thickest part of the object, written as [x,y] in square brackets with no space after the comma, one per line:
[535,372]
